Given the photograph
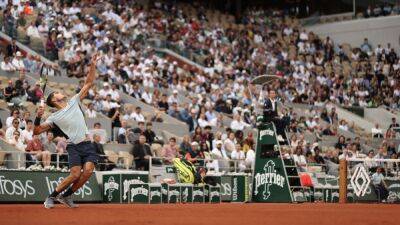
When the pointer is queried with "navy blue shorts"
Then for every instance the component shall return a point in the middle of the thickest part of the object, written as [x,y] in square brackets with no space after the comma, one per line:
[79,154]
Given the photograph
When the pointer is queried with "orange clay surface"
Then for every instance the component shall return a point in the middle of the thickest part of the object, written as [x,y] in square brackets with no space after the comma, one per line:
[210,214]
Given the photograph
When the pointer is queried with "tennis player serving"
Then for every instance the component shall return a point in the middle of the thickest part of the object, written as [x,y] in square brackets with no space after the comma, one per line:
[69,121]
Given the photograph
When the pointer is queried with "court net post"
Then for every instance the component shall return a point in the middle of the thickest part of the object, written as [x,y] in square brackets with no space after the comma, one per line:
[343,181]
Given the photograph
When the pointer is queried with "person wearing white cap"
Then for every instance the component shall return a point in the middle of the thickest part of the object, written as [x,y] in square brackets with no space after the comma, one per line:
[219,154]
[174,97]
[17,62]
[105,91]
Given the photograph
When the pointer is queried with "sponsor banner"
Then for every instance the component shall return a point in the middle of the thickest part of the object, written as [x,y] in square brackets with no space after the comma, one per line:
[270,182]
[139,193]
[35,186]
[240,188]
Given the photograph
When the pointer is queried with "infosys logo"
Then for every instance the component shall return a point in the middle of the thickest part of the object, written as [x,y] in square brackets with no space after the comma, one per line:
[16,187]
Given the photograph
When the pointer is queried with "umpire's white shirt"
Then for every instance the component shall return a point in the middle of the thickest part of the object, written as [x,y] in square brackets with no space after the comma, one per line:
[71,121]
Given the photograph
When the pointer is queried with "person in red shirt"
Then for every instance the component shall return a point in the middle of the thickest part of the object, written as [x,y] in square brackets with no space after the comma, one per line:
[36,151]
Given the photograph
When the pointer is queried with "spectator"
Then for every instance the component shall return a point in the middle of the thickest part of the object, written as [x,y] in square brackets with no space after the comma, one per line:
[250,158]
[341,144]
[24,120]
[170,151]
[174,111]
[36,152]
[137,115]
[17,141]
[104,163]
[50,146]
[185,145]
[173,98]
[317,157]
[377,131]
[62,151]
[299,159]
[238,154]
[230,144]
[7,65]
[10,130]
[149,133]
[141,153]
[114,115]
[393,124]
[381,188]
[27,133]
[90,112]
[32,31]
[194,154]
[369,162]
[122,133]
[9,92]
[163,103]
[238,124]
[18,63]
[12,48]
[14,115]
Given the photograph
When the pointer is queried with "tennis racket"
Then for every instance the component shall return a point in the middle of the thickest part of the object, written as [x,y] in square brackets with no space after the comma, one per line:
[44,73]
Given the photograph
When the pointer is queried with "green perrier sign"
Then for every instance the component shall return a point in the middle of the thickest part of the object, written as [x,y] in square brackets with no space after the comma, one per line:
[270,183]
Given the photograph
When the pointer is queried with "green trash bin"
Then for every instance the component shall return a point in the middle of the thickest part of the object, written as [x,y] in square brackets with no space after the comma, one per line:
[214,194]
[116,184]
[186,193]
[155,193]
[198,194]
[174,193]
[164,193]
[139,193]
[112,188]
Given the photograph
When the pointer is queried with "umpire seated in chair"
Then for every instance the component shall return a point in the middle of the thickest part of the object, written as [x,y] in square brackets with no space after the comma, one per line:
[270,114]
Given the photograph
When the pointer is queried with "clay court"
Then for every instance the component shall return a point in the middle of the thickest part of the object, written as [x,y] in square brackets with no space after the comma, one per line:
[220,214]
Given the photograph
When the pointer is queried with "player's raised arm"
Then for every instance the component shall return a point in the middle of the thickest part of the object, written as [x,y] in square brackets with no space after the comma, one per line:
[90,77]
[40,128]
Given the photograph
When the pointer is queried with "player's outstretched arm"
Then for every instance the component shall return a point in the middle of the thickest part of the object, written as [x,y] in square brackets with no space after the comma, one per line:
[40,128]
[90,77]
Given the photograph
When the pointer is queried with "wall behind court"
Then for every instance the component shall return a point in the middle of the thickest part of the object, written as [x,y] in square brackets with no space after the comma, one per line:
[380,30]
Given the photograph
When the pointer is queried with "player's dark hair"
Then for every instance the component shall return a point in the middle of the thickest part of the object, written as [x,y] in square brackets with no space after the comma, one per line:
[49,100]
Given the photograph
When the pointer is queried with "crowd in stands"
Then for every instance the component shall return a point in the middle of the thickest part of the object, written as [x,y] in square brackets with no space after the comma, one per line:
[385,9]
[315,71]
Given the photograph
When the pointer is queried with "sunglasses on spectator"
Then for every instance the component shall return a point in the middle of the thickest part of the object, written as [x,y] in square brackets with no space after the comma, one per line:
[16,123]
